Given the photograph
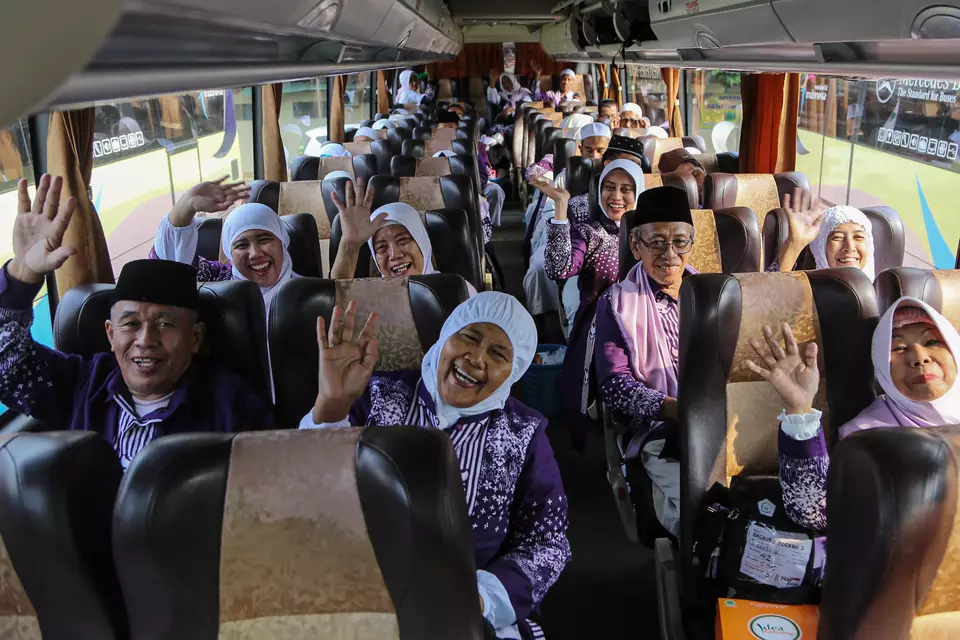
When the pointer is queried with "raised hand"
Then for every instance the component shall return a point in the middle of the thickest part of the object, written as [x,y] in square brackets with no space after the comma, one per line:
[554,193]
[536,67]
[804,218]
[794,376]
[346,363]
[38,231]
[355,222]
[209,197]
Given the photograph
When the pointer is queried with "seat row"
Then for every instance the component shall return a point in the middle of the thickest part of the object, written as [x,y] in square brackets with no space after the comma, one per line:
[236,535]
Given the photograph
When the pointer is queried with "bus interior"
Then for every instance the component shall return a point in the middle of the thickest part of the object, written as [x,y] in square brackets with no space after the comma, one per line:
[132,103]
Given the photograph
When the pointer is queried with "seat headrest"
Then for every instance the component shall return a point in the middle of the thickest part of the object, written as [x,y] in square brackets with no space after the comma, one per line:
[304,248]
[654,147]
[232,311]
[433,167]
[411,312]
[358,148]
[580,171]
[305,197]
[938,288]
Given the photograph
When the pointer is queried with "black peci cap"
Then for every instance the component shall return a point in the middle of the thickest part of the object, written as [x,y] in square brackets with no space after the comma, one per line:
[663,204]
[163,282]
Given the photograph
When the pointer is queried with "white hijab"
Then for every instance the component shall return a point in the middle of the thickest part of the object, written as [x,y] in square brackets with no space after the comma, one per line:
[575,121]
[366,131]
[409,218]
[405,93]
[334,150]
[833,218]
[383,123]
[333,175]
[493,307]
[635,172]
[516,85]
[261,217]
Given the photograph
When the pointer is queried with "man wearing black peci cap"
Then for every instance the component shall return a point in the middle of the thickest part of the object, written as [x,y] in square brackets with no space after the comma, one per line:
[151,384]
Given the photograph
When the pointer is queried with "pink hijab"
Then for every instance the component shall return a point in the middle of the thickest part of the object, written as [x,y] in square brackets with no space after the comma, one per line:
[894,409]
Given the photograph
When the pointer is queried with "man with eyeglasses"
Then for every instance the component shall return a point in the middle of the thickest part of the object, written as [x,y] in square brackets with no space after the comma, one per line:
[637,345]
[631,117]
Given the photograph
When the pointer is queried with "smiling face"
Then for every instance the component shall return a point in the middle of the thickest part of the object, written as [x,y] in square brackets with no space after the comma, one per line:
[474,363]
[154,345]
[258,256]
[921,364]
[847,246]
[618,194]
[594,146]
[396,252]
[666,267]
[567,83]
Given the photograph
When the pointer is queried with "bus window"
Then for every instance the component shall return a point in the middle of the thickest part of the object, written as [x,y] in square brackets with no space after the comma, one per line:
[645,87]
[715,108]
[148,151]
[358,99]
[887,142]
[303,117]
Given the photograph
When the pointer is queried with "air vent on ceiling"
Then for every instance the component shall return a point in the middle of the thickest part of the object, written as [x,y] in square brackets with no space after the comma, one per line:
[666,6]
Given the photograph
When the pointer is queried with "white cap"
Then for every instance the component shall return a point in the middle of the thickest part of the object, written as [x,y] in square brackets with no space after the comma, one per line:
[593,130]
[631,107]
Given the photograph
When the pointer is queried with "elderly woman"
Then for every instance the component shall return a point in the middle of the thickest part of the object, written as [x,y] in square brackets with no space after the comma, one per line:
[589,250]
[514,493]
[638,341]
[511,94]
[395,234]
[914,360]
[841,236]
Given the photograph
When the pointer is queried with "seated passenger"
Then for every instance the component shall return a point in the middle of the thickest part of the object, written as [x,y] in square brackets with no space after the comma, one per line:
[591,251]
[619,148]
[575,121]
[334,150]
[638,341]
[152,384]
[514,493]
[609,113]
[457,108]
[365,134]
[631,117]
[568,82]
[593,139]
[408,90]
[511,94]
[914,360]
[252,238]
[684,162]
[384,123]
[841,236]
[447,120]
[398,240]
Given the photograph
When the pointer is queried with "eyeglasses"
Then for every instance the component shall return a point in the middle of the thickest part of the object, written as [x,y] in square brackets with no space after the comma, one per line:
[630,123]
[659,247]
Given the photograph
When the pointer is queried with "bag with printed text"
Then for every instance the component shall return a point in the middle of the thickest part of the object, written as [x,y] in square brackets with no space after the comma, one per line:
[750,549]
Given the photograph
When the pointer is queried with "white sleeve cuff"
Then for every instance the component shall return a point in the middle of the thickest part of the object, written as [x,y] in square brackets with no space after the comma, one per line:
[497,608]
[307,423]
[177,243]
[800,427]
[555,221]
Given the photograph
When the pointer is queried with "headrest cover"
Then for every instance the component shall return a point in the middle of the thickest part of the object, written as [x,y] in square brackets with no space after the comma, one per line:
[663,204]
[165,282]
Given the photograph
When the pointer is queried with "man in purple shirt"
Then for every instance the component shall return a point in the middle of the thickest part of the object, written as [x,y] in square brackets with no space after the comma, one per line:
[638,340]
[152,383]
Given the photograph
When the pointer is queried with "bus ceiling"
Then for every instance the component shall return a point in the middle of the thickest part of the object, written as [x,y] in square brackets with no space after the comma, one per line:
[71,53]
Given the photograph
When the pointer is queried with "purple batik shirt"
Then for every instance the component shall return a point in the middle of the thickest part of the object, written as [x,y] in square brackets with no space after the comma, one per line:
[803,478]
[71,392]
[515,497]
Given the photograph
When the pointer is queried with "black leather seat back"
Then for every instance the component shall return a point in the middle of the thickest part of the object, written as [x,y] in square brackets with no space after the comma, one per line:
[232,311]
[304,244]
[396,491]
[57,492]
[308,167]
[384,150]
[453,247]
[563,150]
[403,166]
[414,148]
[266,192]
[938,288]
[580,173]
[293,319]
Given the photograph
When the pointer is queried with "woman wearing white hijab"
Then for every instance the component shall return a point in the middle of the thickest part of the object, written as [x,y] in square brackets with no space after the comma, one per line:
[841,236]
[407,91]
[512,485]
[365,134]
[511,94]
[384,123]
[395,233]
[334,150]
[914,360]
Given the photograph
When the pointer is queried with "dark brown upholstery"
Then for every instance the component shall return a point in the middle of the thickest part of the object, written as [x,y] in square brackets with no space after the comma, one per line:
[453,246]
[888,237]
[232,311]
[938,288]
[733,241]
[384,150]
[727,414]
[654,147]
[266,192]
[683,181]
[580,172]
[57,492]
[563,150]
[893,549]
[304,246]
[200,531]
[293,335]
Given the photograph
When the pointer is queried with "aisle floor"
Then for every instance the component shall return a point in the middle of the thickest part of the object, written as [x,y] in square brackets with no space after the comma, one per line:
[608,589]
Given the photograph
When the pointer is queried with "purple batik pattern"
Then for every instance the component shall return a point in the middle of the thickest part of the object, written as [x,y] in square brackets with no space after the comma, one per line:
[803,478]
[207,270]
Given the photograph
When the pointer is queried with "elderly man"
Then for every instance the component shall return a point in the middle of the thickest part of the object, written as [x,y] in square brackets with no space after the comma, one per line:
[152,384]
[638,340]
[631,117]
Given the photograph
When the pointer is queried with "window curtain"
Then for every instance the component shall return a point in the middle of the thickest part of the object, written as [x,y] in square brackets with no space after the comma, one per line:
[475,60]
[337,120]
[70,155]
[616,87]
[383,94]
[768,137]
[604,91]
[527,52]
[274,159]
[671,78]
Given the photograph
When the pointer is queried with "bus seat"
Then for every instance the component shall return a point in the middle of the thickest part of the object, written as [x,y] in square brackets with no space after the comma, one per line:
[529,150]
[384,150]
[304,246]
[409,166]
[414,148]
[399,134]
[57,492]
[516,154]
[725,241]
[421,133]
[266,192]
[684,182]
[305,196]
[546,137]
[563,149]
[454,249]
[445,90]
[320,533]
[358,148]
[888,238]
[938,288]
[894,539]
[657,116]
[726,162]
[411,312]
[580,171]
[727,414]
[232,311]
[654,147]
